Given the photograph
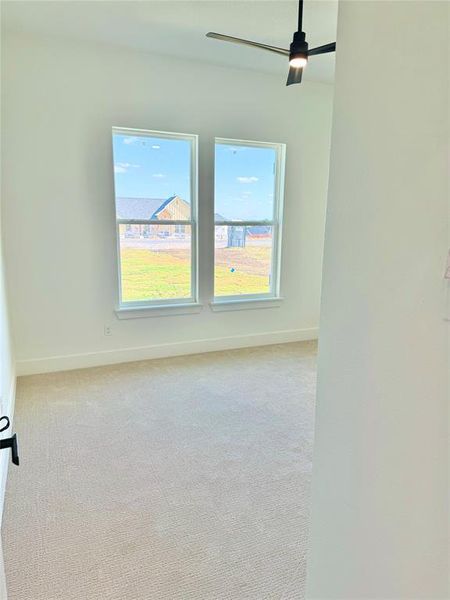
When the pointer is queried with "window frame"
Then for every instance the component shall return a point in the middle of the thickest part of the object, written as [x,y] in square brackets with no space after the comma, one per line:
[159,303]
[276,224]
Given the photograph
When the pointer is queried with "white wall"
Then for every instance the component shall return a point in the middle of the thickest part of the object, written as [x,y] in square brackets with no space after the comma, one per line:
[61,99]
[380,502]
[7,367]
[7,381]
[3,595]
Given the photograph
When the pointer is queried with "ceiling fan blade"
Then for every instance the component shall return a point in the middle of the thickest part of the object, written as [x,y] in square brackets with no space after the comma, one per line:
[322,49]
[295,75]
[235,40]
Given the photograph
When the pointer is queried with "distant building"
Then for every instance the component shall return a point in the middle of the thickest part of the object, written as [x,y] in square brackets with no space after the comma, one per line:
[259,231]
[220,233]
[236,236]
[160,209]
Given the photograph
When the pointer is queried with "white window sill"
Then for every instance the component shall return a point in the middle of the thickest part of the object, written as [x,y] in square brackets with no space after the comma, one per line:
[245,304]
[158,310]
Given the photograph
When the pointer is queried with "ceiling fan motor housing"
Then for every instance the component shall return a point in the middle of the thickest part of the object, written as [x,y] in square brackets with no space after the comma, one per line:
[299,46]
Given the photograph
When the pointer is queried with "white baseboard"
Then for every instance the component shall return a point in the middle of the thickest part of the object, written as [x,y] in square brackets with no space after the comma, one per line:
[108,357]
[5,457]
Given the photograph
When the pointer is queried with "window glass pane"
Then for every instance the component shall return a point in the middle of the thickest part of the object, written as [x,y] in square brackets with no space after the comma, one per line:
[152,177]
[244,183]
[243,260]
[155,262]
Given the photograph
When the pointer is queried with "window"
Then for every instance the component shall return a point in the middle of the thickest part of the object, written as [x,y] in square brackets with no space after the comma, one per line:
[155,180]
[247,213]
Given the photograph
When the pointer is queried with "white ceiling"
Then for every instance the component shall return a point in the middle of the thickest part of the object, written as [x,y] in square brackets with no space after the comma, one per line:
[177,28]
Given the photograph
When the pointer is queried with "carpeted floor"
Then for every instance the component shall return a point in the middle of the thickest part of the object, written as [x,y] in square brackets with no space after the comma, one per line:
[178,479]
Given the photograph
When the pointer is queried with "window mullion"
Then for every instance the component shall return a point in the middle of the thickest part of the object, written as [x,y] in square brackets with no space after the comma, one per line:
[245,223]
[152,222]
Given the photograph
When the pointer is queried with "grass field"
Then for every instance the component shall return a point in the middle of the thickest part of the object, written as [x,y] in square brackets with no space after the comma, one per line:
[166,274]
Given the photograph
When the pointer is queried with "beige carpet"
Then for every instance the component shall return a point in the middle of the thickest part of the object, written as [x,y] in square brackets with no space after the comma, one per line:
[178,479]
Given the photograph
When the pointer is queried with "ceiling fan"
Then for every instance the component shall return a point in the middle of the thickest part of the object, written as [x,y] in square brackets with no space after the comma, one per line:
[298,52]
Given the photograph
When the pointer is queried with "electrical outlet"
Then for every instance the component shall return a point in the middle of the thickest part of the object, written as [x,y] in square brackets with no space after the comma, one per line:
[108,330]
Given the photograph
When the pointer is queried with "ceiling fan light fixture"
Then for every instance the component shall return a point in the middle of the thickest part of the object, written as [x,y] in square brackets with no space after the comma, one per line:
[298,51]
[298,61]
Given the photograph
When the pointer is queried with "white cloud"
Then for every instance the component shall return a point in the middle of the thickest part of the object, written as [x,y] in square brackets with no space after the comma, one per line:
[123,167]
[251,179]
[129,140]
[156,147]
[158,175]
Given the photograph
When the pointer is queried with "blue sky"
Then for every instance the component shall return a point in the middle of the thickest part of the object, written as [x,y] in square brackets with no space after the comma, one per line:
[244,182]
[151,167]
